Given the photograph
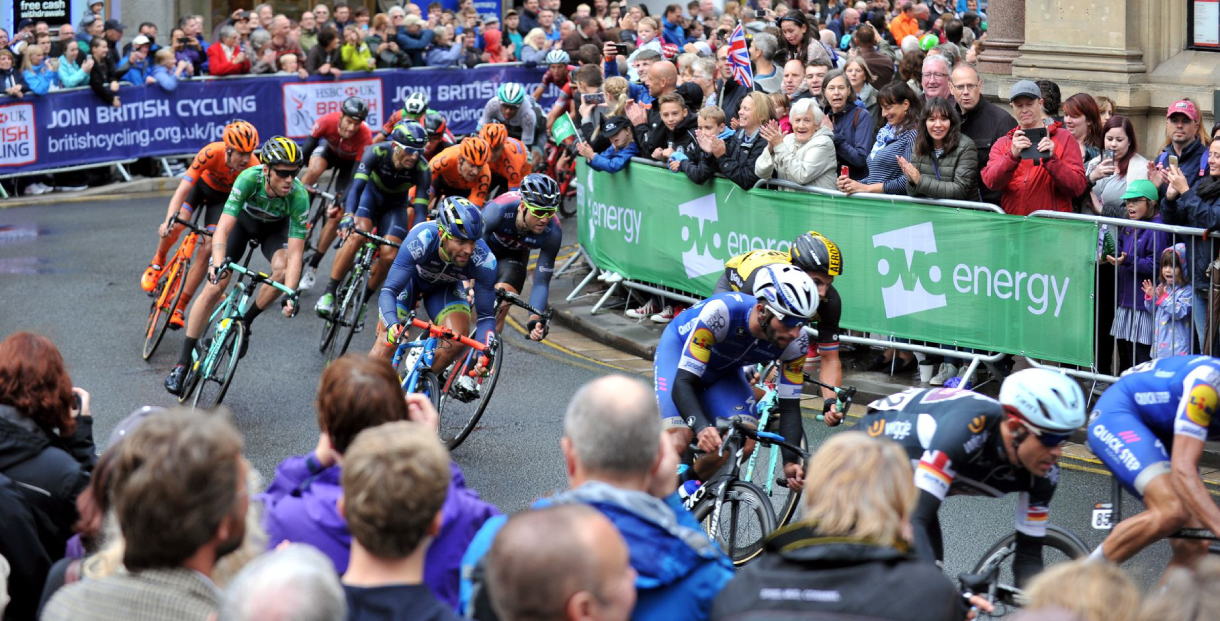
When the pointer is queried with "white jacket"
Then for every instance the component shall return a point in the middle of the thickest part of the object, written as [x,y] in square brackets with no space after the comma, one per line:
[812,163]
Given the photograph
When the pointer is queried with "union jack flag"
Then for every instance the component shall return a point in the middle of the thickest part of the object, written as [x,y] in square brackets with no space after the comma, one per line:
[739,58]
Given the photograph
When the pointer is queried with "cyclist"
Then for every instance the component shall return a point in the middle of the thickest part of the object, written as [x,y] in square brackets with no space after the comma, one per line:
[517,111]
[1149,429]
[415,108]
[439,137]
[379,195]
[698,363]
[268,204]
[558,73]
[460,170]
[509,161]
[821,260]
[437,257]
[515,224]
[205,186]
[337,141]
[962,442]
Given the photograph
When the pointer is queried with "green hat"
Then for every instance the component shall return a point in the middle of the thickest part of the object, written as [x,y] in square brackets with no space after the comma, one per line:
[928,42]
[1141,188]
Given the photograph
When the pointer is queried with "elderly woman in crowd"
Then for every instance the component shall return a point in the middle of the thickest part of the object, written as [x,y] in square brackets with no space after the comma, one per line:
[382,44]
[225,57]
[806,156]
[535,48]
[355,53]
[850,121]
[853,540]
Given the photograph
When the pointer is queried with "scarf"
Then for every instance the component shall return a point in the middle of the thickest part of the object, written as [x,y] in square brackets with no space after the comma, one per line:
[888,134]
[1208,189]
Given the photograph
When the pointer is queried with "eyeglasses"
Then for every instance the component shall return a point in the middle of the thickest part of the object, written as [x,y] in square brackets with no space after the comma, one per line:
[940,76]
[1048,439]
[539,212]
[408,150]
[790,322]
[397,16]
[285,174]
[961,88]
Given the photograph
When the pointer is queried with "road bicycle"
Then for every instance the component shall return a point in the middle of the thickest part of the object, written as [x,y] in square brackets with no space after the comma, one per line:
[322,200]
[413,360]
[347,318]
[169,288]
[465,394]
[209,375]
[1107,514]
[734,512]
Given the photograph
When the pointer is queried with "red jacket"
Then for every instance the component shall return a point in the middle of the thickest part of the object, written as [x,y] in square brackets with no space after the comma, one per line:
[218,64]
[1029,185]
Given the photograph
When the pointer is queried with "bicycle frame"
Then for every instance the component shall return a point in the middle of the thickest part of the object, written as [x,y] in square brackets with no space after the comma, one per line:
[1104,514]
[240,297]
[429,344]
[765,406]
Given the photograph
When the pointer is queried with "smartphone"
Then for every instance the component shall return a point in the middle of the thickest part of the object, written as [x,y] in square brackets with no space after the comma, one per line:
[76,402]
[760,14]
[1108,154]
[184,40]
[1035,136]
[597,98]
[1173,161]
[844,171]
[620,49]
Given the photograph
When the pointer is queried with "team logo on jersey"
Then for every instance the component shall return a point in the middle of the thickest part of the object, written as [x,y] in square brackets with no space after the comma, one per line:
[1202,405]
[977,423]
[794,371]
[898,429]
[701,345]
[416,248]
[877,427]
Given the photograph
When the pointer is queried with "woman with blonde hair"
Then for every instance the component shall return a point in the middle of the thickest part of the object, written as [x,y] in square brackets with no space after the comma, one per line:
[535,48]
[1091,590]
[852,545]
[616,91]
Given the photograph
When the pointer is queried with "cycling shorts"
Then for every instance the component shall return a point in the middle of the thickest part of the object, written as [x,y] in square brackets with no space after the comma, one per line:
[440,300]
[387,211]
[272,236]
[511,266]
[211,199]
[1121,440]
[731,396]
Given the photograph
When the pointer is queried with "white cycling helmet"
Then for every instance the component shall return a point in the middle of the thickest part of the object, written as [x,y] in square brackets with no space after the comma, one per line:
[1048,400]
[787,291]
[558,57]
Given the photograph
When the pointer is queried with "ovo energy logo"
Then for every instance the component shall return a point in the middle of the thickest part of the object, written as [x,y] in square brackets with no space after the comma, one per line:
[699,263]
[898,298]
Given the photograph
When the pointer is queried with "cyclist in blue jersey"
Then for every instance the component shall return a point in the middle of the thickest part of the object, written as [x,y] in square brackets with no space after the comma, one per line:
[1149,430]
[436,258]
[698,364]
[516,223]
[379,195]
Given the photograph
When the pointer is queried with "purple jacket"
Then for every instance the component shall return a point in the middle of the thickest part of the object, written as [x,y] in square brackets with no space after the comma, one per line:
[1143,248]
[301,507]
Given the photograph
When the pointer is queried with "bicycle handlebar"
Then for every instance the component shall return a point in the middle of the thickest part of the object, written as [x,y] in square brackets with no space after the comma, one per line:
[260,277]
[314,189]
[844,395]
[380,240]
[188,224]
[762,437]
[515,300]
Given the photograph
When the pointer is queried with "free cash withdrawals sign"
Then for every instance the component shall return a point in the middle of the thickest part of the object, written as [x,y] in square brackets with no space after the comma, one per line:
[953,276]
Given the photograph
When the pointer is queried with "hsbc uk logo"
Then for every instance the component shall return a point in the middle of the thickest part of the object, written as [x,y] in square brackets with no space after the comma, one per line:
[18,138]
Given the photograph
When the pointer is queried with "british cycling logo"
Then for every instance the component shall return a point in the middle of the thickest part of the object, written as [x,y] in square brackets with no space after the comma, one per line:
[17,135]
[909,293]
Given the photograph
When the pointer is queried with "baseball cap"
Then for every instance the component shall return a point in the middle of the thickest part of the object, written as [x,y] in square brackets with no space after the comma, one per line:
[25,23]
[1183,106]
[491,19]
[703,49]
[113,24]
[615,124]
[1141,188]
[140,40]
[1025,88]
[511,13]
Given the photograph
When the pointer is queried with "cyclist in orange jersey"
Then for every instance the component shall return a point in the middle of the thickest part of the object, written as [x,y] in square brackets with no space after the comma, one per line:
[460,170]
[509,159]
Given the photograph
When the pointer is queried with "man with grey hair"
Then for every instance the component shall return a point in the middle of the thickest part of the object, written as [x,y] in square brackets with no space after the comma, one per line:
[619,463]
[767,77]
[936,72]
[293,583]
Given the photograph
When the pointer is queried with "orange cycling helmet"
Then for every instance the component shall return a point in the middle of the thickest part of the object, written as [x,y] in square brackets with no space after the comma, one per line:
[494,134]
[241,136]
[475,150]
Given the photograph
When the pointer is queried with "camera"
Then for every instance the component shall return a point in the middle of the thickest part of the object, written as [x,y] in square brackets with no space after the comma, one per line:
[760,14]
[184,40]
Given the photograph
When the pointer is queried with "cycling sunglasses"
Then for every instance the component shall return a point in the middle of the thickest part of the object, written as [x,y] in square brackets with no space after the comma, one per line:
[285,174]
[410,150]
[1048,439]
[538,212]
[791,322]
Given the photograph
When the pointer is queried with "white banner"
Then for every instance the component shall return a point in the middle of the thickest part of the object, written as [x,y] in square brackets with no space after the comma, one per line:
[305,102]
[17,139]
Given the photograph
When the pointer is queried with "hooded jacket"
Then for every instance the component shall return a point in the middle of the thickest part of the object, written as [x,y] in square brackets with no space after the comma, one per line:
[697,165]
[1192,162]
[1171,308]
[300,507]
[612,159]
[810,163]
[853,137]
[818,578]
[953,175]
[1030,185]
[679,570]
[1143,248]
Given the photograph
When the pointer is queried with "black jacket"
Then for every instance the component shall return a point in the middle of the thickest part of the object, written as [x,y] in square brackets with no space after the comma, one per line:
[100,77]
[730,95]
[699,167]
[656,135]
[737,164]
[13,77]
[19,543]
[985,124]
[814,578]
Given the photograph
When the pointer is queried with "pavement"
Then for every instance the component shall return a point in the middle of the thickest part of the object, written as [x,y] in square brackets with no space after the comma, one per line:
[70,270]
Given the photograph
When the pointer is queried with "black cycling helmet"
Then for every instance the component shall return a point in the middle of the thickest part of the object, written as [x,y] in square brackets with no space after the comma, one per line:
[281,150]
[460,218]
[355,107]
[540,191]
[410,136]
[434,122]
[814,252]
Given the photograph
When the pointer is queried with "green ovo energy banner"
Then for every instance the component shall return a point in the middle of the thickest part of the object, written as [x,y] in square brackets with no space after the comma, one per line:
[958,277]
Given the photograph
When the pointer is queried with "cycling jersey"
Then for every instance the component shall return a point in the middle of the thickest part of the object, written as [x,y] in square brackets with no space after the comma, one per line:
[521,126]
[249,196]
[419,270]
[711,341]
[396,118]
[1132,426]
[377,170]
[448,181]
[512,246]
[326,130]
[739,274]
[209,166]
[953,439]
[512,164]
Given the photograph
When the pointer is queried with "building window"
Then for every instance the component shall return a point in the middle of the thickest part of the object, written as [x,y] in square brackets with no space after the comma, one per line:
[1203,25]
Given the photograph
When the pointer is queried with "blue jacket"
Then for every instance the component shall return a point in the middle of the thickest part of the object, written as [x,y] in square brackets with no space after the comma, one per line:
[442,57]
[40,79]
[134,72]
[679,570]
[854,138]
[1192,162]
[612,160]
[165,78]
[1174,331]
[414,45]
[672,33]
[637,92]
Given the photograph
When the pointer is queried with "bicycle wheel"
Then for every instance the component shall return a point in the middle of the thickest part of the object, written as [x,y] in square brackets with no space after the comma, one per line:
[165,300]
[213,386]
[353,301]
[331,326]
[429,385]
[744,521]
[784,501]
[463,401]
[1059,546]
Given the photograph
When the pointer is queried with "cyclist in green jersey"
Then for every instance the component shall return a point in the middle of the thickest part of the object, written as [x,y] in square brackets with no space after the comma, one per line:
[268,204]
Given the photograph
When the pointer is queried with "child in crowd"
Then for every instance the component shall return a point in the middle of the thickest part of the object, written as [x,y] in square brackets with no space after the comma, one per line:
[1171,302]
[289,64]
[782,104]
[622,147]
[679,126]
[1139,252]
[697,165]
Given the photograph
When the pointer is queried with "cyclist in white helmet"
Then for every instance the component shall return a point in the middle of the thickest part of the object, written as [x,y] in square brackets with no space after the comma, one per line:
[516,110]
[963,442]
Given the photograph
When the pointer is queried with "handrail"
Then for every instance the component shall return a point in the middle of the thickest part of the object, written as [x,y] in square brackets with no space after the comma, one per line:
[1119,222]
[898,198]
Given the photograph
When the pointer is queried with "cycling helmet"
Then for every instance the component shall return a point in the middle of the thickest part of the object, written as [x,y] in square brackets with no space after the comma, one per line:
[1047,400]
[787,291]
[558,57]
[475,150]
[459,218]
[241,136]
[434,122]
[494,134]
[355,107]
[416,105]
[280,150]
[410,136]
[540,191]
[813,252]
[511,94]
